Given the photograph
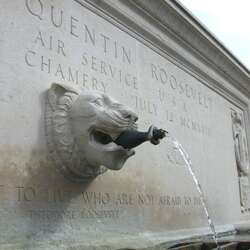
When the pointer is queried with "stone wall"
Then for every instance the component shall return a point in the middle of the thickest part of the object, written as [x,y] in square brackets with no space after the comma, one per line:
[153,57]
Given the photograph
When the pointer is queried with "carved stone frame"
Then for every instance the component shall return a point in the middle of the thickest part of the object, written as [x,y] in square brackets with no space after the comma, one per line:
[241,158]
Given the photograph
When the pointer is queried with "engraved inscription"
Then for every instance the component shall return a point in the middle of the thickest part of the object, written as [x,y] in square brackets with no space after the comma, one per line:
[112,67]
[185,90]
[180,97]
[51,54]
[79,30]
[93,204]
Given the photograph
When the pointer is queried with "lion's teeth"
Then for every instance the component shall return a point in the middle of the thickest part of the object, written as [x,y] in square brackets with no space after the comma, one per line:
[114,136]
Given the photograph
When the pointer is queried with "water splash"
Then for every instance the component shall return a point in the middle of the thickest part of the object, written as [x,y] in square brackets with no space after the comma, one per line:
[188,163]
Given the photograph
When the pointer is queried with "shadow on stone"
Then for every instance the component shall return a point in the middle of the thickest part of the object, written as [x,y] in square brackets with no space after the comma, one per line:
[45,195]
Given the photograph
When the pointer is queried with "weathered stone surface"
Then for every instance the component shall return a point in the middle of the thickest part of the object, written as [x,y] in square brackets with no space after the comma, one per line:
[153,198]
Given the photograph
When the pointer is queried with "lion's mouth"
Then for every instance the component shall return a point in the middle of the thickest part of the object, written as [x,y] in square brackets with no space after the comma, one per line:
[102,137]
[108,142]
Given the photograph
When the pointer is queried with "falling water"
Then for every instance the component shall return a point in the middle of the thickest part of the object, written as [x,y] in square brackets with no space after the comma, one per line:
[198,186]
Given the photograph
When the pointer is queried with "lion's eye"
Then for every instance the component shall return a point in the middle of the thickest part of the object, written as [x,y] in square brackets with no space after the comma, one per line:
[98,101]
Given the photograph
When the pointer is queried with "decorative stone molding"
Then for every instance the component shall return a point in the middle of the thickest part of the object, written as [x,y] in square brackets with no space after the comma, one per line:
[242,158]
[240,144]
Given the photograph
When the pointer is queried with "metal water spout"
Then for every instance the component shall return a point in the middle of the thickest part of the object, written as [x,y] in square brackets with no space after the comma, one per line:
[133,138]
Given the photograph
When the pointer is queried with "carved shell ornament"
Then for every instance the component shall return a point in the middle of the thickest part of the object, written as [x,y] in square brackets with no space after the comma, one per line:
[81,128]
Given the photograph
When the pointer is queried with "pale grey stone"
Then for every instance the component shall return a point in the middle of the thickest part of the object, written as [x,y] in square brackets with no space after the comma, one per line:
[240,144]
[152,57]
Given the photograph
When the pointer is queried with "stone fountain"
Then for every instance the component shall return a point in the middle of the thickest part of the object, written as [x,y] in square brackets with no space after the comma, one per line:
[63,134]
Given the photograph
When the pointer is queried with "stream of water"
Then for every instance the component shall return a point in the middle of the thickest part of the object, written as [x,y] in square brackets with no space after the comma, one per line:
[188,163]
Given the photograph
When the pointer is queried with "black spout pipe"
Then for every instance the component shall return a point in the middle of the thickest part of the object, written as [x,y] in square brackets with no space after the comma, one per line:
[132,138]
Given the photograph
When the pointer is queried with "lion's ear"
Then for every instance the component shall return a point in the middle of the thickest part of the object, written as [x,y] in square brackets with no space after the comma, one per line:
[56,91]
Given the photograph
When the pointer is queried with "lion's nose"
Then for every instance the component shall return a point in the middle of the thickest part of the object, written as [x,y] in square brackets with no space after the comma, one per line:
[130,115]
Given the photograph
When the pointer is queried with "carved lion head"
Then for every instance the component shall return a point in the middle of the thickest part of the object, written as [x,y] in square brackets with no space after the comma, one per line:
[81,128]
